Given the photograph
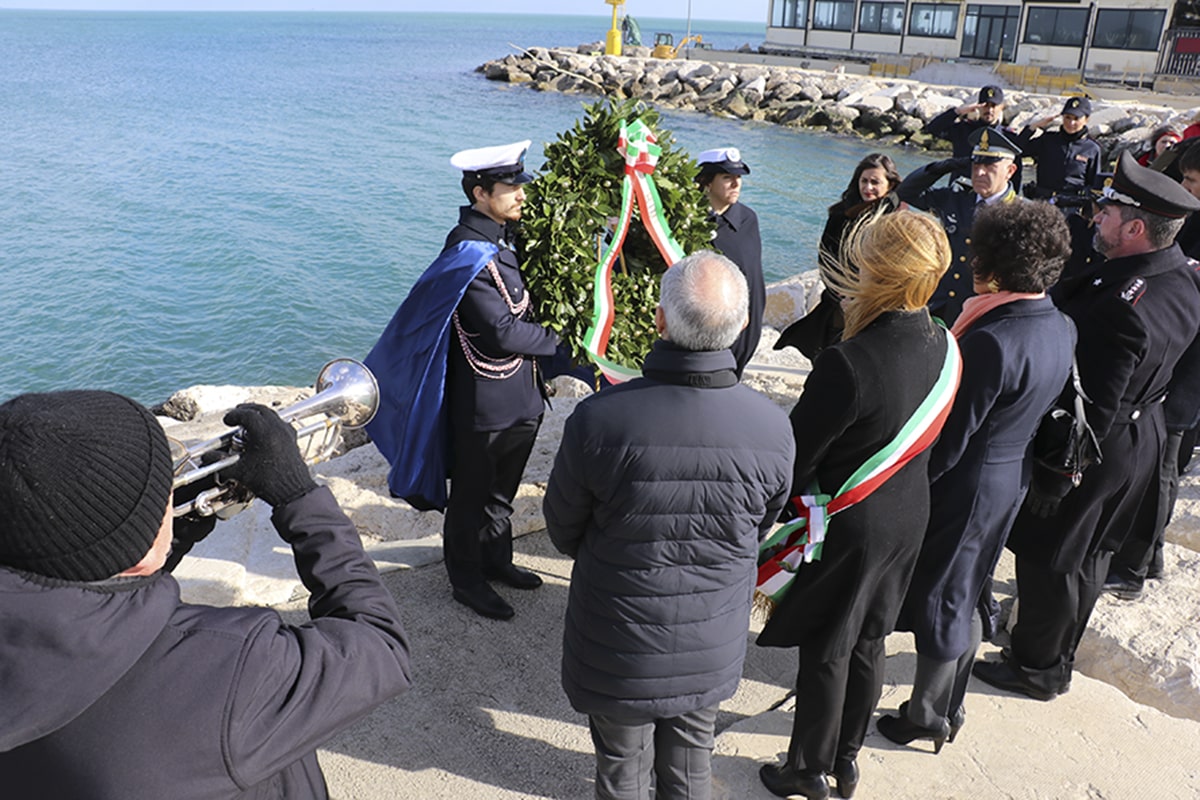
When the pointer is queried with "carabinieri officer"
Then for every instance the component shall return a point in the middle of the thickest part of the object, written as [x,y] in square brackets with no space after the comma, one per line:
[720,178]
[992,163]
[460,388]
[1136,314]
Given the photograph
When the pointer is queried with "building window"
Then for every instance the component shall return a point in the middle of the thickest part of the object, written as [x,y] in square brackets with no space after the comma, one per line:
[934,19]
[788,13]
[833,15]
[1060,26]
[1128,30]
[881,18]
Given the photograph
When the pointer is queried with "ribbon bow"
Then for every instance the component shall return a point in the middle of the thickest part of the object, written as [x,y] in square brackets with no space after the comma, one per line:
[639,148]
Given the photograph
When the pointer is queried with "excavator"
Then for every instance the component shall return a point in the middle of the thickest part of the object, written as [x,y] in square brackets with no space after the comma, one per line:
[665,47]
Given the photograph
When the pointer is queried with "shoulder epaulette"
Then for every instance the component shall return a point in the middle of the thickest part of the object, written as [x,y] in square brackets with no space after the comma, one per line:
[1134,291]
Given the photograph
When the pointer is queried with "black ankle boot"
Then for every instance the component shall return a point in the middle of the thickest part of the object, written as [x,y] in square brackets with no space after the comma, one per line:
[902,730]
[783,781]
[845,773]
[957,720]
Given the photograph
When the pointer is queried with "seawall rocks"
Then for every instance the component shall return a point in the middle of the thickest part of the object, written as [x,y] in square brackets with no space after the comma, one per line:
[892,110]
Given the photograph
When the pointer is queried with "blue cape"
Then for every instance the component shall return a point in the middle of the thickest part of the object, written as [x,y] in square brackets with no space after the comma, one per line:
[409,361]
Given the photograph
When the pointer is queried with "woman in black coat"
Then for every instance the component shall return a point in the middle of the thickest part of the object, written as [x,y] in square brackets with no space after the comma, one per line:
[1016,349]
[871,191]
[860,394]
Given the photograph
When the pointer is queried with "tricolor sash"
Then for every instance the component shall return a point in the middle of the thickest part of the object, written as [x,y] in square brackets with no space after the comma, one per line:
[802,539]
[641,152]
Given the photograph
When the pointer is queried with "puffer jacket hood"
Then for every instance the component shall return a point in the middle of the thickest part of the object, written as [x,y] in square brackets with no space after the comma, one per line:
[76,640]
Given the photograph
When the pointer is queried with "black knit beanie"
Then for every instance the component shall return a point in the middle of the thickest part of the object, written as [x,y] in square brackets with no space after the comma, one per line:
[84,482]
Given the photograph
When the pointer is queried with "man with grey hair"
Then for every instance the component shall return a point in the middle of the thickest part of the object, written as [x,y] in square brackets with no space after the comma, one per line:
[661,492]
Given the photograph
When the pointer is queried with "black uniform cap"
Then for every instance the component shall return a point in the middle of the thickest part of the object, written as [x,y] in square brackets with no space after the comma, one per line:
[991,94]
[989,145]
[1078,107]
[1141,187]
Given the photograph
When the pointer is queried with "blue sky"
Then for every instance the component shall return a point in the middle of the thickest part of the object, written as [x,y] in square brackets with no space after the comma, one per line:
[753,11]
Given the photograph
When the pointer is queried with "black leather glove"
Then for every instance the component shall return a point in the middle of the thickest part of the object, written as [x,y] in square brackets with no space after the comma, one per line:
[949,165]
[270,465]
[1047,489]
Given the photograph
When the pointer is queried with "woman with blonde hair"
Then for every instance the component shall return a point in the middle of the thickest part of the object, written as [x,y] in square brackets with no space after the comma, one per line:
[871,407]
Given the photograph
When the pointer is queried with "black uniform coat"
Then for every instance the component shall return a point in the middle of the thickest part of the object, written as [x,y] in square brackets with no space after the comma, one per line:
[1066,164]
[956,208]
[738,239]
[859,394]
[478,403]
[1135,317]
[1016,359]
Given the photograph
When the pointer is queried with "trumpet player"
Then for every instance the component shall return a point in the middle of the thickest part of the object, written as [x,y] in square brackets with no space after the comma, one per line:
[460,391]
[112,687]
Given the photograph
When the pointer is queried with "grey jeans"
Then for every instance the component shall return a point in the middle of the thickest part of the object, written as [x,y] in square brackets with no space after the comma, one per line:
[633,754]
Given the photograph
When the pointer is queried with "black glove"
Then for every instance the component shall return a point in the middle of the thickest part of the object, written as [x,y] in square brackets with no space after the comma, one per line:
[270,464]
[949,165]
[1047,489]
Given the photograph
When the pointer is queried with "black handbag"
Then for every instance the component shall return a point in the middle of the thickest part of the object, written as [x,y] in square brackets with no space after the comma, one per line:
[1064,442]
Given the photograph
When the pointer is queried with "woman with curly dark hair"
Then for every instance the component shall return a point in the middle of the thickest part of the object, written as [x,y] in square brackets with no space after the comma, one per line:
[1016,350]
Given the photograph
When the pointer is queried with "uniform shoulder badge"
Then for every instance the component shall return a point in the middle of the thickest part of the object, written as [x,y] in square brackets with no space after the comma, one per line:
[1136,288]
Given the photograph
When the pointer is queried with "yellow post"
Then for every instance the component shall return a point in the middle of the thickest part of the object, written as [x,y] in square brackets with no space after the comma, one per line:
[612,42]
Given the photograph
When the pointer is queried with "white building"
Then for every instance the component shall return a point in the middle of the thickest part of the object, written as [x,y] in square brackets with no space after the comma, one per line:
[1097,37]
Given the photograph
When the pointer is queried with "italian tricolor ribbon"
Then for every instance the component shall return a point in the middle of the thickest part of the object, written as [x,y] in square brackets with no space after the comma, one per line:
[641,152]
[802,539]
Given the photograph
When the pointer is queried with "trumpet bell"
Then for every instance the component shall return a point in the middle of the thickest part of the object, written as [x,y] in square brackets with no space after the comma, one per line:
[346,397]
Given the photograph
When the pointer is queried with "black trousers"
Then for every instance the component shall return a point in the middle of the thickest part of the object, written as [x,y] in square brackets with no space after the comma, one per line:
[1052,616]
[1140,557]
[477,531]
[834,703]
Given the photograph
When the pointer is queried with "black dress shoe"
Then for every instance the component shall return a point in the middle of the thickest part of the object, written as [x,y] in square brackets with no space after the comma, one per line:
[783,781]
[514,576]
[1122,588]
[902,730]
[483,600]
[845,774]
[1004,676]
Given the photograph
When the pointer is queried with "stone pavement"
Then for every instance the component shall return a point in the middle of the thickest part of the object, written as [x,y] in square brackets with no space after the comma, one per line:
[487,718]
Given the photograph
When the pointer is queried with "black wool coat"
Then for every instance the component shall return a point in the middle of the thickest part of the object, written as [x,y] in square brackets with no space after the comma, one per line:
[857,397]
[1016,360]
[739,240]
[1135,316]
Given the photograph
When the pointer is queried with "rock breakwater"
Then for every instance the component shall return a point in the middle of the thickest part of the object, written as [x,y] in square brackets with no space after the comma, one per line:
[890,110]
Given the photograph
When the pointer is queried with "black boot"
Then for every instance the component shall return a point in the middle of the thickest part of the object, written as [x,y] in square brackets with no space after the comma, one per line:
[902,730]
[483,600]
[845,773]
[783,781]
[957,720]
[514,576]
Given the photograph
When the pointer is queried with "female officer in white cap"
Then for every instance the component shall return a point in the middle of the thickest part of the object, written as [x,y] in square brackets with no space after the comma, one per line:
[720,178]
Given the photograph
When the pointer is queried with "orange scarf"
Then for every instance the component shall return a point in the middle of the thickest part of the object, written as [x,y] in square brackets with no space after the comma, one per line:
[975,307]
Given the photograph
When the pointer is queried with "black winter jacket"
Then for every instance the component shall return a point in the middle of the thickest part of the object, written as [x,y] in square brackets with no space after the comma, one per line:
[661,492]
[118,690]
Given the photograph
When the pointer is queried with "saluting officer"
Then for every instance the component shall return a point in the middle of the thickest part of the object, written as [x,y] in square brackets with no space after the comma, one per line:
[1067,160]
[1136,313]
[720,178]
[459,383]
[958,123]
[992,164]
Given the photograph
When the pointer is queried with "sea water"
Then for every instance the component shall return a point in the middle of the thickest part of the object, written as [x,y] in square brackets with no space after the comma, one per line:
[238,197]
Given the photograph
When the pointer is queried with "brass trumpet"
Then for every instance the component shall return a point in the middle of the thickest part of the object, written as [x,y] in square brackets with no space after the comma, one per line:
[346,397]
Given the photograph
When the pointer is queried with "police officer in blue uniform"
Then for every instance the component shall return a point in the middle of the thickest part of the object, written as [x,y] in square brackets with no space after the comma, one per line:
[958,123]
[992,166]
[1068,162]
[495,395]
[737,237]
[1136,312]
